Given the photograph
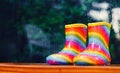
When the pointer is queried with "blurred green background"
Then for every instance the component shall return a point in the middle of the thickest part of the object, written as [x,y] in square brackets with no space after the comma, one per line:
[30,30]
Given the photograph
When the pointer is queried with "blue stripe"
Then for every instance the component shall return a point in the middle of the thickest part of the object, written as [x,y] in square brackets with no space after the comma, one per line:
[76,39]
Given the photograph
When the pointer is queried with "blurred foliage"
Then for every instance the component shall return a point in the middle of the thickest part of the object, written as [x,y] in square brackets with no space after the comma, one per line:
[51,16]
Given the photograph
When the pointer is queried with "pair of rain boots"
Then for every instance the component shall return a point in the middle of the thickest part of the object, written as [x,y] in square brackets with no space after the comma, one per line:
[75,50]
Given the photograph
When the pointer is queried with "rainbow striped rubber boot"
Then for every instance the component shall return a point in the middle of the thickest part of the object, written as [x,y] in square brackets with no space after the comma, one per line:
[97,51]
[75,43]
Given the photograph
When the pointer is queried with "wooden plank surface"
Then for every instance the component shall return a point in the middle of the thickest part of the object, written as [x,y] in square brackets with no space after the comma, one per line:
[44,68]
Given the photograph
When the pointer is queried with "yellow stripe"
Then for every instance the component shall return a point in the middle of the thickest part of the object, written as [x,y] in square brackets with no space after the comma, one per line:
[63,57]
[72,49]
[77,34]
[83,59]
[99,36]
[99,24]
[75,25]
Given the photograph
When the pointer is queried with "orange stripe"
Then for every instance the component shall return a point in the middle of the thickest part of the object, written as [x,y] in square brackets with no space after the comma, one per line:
[77,29]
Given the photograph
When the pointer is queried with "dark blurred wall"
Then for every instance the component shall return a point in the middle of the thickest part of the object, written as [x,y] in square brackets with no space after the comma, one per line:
[11,43]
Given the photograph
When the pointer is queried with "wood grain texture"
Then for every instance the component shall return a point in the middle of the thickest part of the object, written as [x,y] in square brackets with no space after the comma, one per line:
[44,68]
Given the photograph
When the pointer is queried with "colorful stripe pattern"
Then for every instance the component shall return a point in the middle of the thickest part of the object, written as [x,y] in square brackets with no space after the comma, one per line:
[75,43]
[97,51]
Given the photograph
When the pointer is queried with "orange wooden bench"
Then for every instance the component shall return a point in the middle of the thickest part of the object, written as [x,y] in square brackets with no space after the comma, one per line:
[44,68]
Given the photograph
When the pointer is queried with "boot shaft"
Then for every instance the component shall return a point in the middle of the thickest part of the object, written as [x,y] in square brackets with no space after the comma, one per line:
[99,33]
[76,36]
